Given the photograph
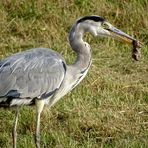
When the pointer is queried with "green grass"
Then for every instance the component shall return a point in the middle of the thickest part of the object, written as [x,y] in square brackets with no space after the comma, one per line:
[109,109]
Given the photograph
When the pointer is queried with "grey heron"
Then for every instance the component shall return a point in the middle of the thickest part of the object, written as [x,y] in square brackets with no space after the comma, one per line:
[41,77]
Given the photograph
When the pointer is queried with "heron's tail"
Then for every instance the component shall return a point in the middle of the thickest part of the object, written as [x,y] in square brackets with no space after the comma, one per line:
[12,102]
[4,102]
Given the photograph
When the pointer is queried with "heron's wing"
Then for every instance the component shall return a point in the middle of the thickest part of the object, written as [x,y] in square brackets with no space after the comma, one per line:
[35,73]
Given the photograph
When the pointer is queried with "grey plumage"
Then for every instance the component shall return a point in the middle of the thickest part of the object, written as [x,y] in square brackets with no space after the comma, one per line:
[40,76]
[36,73]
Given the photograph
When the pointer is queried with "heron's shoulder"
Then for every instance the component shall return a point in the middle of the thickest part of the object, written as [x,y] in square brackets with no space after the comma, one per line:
[33,54]
[46,52]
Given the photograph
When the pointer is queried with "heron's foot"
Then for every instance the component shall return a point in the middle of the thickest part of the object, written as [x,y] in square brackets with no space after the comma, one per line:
[14,135]
[14,131]
[37,141]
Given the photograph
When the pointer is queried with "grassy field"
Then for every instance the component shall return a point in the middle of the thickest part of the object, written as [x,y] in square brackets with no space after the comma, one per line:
[109,109]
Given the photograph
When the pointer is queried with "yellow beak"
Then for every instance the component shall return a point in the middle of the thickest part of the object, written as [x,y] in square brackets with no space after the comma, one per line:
[120,35]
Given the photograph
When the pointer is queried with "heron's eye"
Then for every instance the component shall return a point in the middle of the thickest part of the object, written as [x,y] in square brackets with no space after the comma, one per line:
[105,26]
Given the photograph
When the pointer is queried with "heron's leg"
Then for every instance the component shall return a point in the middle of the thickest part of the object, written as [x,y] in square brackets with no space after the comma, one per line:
[39,107]
[14,132]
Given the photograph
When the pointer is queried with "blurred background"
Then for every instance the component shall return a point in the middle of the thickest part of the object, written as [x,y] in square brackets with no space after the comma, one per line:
[110,106]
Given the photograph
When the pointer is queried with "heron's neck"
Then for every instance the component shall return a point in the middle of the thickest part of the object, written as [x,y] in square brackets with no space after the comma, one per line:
[78,70]
[81,48]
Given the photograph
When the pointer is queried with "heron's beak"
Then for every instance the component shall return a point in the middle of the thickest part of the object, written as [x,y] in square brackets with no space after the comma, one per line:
[120,35]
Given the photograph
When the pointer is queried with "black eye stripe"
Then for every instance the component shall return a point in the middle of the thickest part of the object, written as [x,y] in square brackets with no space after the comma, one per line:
[94,18]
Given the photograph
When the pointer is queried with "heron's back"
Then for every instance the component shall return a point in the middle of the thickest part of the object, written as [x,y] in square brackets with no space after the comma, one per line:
[36,73]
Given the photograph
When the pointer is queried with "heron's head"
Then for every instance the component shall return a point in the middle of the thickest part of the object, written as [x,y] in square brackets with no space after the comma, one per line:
[98,26]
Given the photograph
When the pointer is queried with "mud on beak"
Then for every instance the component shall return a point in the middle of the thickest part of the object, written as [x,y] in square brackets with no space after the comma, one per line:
[120,35]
